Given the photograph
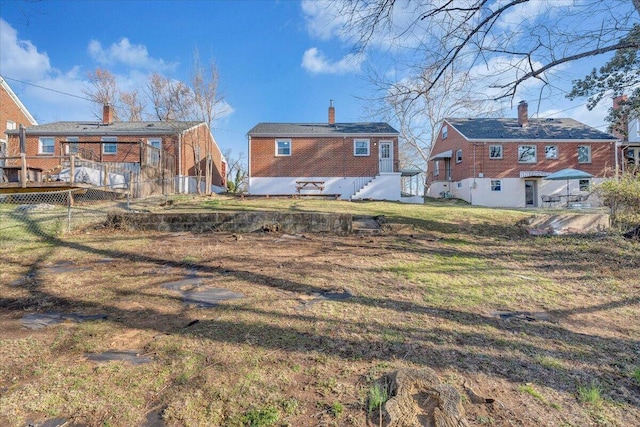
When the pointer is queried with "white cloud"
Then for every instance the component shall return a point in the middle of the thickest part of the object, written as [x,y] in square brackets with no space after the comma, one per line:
[323,21]
[20,58]
[123,52]
[315,62]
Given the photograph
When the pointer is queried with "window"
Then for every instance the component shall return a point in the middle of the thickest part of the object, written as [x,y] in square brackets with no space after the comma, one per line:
[11,125]
[584,184]
[495,151]
[155,142]
[445,132]
[109,146]
[584,154]
[436,168]
[360,147]
[496,185]
[551,152]
[283,147]
[527,153]
[46,145]
[459,156]
[72,146]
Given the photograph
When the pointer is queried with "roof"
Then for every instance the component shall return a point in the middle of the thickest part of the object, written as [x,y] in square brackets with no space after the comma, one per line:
[17,101]
[87,128]
[509,129]
[324,129]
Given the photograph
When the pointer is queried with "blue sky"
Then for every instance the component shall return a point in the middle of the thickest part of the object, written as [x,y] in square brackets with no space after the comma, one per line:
[278,61]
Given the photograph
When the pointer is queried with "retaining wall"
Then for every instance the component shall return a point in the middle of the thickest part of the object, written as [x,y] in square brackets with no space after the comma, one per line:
[243,222]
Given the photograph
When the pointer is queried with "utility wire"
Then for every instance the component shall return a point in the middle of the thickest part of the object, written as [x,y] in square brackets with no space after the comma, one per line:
[47,88]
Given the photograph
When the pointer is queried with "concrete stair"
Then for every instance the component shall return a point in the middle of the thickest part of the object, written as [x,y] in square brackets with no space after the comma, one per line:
[365,224]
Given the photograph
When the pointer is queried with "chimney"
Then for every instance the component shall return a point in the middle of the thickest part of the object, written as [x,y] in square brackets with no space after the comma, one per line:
[332,113]
[620,129]
[107,114]
[523,114]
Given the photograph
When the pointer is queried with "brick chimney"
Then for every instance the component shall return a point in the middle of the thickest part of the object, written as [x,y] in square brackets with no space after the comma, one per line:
[523,114]
[107,114]
[332,113]
[621,128]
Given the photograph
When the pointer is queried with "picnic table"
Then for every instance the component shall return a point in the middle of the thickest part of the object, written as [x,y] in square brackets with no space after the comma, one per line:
[309,185]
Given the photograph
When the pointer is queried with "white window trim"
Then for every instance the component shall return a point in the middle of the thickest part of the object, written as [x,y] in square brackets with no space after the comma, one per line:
[499,181]
[355,142]
[436,168]
[41,145]
[535,154]
[151,141]
[588,147]
[459,157]
[445,132]
[501,151]
[290,147]
[11,125]
[109,140]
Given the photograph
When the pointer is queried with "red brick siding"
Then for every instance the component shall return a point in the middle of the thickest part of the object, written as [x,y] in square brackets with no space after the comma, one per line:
[201,137]
[9,110]
[602,158]
[129,153]
[316,157]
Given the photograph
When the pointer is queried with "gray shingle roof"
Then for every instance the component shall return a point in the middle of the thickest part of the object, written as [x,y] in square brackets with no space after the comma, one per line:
[315,129]
[119,128]
[549,129]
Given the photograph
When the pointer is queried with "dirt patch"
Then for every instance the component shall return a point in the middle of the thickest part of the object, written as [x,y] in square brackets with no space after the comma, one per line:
[521,328]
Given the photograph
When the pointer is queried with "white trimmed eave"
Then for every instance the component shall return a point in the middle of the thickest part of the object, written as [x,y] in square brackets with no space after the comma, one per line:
[96,133]
[505,140]
[17,101]
[323,135]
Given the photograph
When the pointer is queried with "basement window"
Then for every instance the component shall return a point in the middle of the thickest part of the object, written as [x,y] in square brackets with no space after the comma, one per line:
[496,185]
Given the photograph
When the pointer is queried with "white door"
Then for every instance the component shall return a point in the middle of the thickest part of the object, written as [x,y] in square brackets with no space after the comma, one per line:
[386,157]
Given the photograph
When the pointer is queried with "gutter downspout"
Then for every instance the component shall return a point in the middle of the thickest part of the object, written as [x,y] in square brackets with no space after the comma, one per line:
[618,147]
[180,162]
[249,165]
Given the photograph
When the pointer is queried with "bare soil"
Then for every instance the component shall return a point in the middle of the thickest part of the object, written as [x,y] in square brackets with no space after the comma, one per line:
[418,298]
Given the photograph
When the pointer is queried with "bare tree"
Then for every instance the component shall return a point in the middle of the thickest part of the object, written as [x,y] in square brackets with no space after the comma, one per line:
[536,36]
[132,105]
[103,91]
[420,112]
[170,99]
[208,105]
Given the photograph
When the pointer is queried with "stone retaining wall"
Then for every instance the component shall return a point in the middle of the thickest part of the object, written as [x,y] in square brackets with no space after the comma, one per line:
[243,222]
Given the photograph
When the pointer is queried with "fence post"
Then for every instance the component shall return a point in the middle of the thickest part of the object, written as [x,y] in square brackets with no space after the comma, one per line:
[23,170]
[69,204]
[72,169]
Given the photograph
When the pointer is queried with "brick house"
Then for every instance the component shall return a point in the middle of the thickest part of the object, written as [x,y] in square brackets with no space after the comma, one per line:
[13,113]
[125,144]
[503,162]
[347,160]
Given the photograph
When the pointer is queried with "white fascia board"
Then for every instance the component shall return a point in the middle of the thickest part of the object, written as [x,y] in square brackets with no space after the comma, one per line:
[503,140]
[323,135]
[17,101]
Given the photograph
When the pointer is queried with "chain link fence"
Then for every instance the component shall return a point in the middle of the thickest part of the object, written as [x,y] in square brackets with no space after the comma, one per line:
[46,214]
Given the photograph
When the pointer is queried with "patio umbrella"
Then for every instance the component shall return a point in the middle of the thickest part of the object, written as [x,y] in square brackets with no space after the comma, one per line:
[567,174]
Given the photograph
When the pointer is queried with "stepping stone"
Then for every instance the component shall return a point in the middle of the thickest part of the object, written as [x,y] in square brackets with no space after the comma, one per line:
[120,356]
[325,296]
[43,320]
[208,297]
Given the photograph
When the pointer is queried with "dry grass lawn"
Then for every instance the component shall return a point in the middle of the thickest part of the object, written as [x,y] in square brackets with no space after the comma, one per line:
[425,293]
